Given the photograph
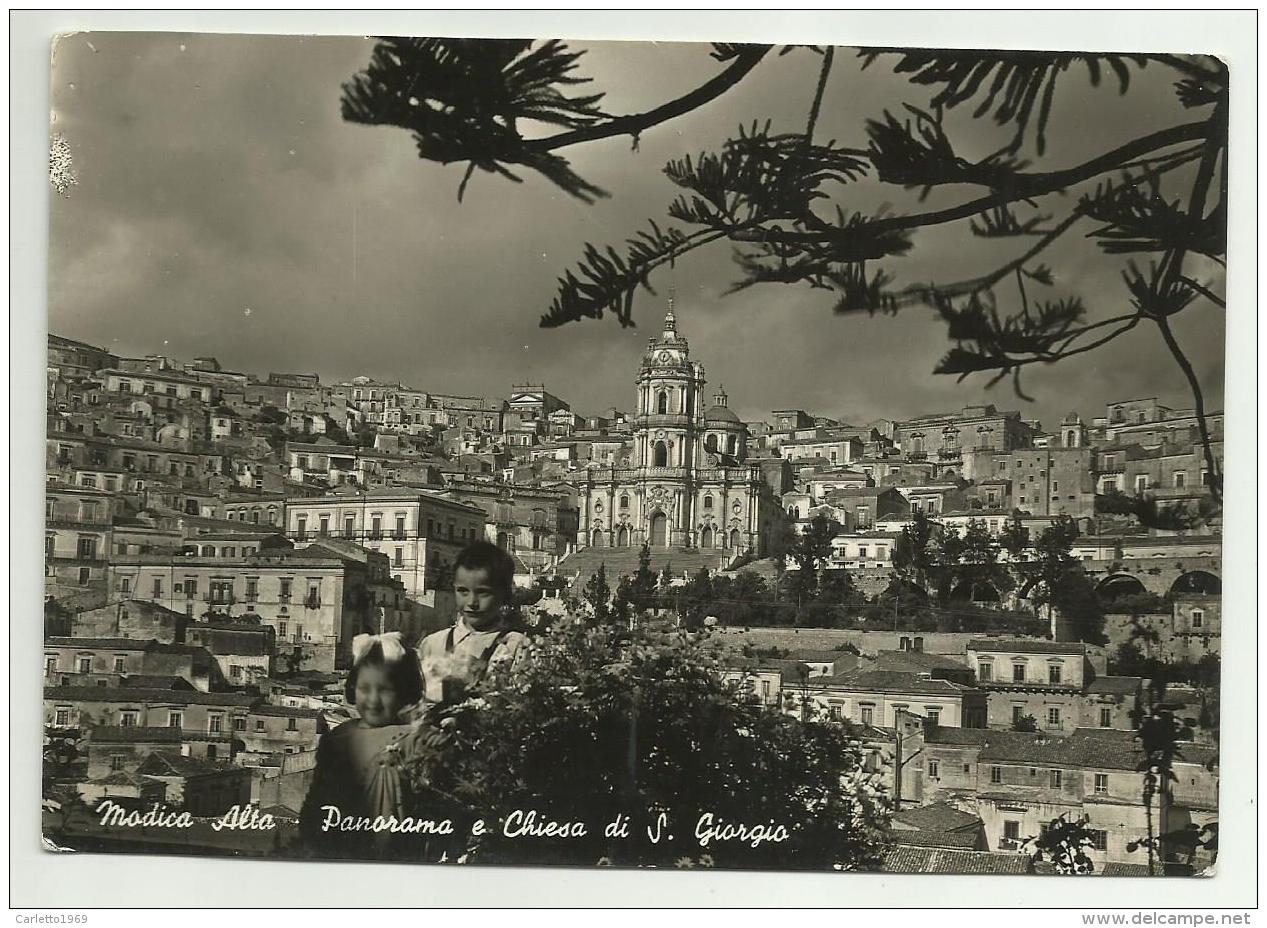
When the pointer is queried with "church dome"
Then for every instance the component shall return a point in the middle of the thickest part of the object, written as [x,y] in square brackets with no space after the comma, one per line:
[721,414]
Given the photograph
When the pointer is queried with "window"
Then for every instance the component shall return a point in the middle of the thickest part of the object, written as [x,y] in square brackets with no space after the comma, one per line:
[281,629]
[1055,779]
[157,591]
[934,770]
[120,663]
[283,589]
[87,548]
[175,720]
[301,527]
[235,671]
[376,526]
[239,723]
[1106,717]
[1099,839]
[117,761]
[1053,716]
[259,724]
[1180,479]
[996,774]
[211,752]
[252,589]
[125,585]
[398,557]
[1053,674]
[708,502]
[868,714]
[349,526]
[84,664]
[1018,713]
[324,529]
[127,718]
[85,575]
[1011,834]
[934,716]
[1018,672]
[834,712]
[1141,483]
[50,663]
[61,718]
[1198,618]
[985,671]
[215,724]
[292,724]
[400,525]
[50,546]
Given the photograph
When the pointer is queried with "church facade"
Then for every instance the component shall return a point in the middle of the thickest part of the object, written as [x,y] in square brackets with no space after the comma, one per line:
[686,481]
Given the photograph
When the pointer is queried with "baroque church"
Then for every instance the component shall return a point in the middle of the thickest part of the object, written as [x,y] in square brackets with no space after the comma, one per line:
[687,481]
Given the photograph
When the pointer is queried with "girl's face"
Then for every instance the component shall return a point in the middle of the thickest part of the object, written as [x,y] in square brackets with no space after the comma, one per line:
[376,697]
[479,602]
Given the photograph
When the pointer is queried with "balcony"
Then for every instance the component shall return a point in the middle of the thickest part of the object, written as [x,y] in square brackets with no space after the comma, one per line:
[916,456]
[312,602]
[219,599]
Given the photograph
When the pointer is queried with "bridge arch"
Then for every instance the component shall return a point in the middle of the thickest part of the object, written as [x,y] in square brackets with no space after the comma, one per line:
[1115,586]
[1197,581]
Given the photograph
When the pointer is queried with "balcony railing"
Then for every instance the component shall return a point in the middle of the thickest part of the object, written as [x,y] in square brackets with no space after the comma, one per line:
[312,602]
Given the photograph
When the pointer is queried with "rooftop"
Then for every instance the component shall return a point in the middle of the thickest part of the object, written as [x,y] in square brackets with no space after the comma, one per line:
[133,734]
[1032,645]
[890,681]
[907,859]
[129,694]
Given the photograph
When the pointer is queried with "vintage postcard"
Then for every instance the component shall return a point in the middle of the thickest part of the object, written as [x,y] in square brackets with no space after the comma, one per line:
[635,454]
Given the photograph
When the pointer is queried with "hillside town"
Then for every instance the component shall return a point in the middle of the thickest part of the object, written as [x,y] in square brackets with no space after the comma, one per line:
[214,539]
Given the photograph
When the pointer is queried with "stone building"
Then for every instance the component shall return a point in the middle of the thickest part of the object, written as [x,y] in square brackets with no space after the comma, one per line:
[690,484]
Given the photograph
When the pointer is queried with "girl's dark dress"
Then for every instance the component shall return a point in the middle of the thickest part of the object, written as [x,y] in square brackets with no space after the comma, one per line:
[358,772]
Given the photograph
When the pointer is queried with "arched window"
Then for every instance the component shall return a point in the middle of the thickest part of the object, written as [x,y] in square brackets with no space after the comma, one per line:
[624,501]
[710,442]
[662,402]
[730,444]
[708,502]
[660,454]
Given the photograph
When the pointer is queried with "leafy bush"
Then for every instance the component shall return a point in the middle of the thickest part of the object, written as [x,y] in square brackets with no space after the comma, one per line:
[596,723]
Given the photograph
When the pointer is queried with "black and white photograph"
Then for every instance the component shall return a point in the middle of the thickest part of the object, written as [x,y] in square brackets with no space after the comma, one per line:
[711,456]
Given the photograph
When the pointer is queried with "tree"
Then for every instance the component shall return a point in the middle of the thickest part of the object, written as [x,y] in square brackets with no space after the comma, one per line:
[1065,843]
[1060,583]
[1025,723]
[595,723]
[1015,538]
[783,200]
[644,578]
[622,602]
[811,549]
[598,594]
[912,553]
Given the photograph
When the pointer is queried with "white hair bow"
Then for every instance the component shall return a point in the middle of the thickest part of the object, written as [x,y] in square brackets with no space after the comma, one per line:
[393,647]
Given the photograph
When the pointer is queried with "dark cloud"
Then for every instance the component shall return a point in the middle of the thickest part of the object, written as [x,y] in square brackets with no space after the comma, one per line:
[216,176]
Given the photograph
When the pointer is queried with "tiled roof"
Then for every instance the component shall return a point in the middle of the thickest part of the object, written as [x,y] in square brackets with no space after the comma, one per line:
[154,681]
[168,763]
[1116,686]
[101,644]
[907,859]
[120,778]
[285,711]
[130,694]
[891,681]
[1032,645]
[133,734]
[940,816]
[966,839]
[909,661]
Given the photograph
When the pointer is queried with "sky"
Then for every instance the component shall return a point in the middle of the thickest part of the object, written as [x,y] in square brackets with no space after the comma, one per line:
[222,207]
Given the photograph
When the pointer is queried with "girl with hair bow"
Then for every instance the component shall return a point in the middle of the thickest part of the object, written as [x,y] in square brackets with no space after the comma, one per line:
[357,772]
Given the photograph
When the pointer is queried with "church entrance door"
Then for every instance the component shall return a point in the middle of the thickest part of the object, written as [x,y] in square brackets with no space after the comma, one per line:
[659,530]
